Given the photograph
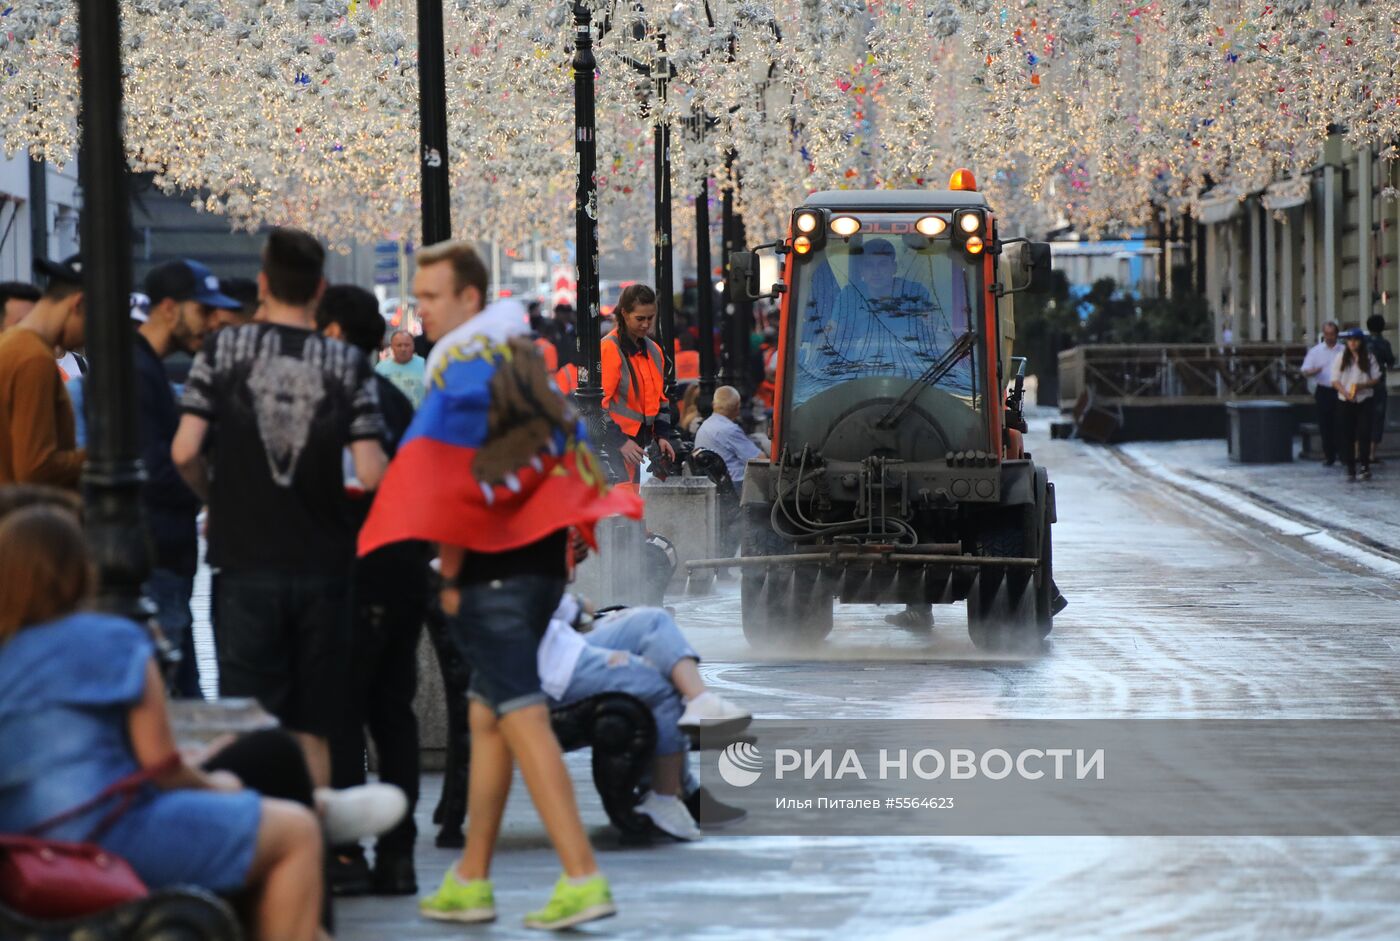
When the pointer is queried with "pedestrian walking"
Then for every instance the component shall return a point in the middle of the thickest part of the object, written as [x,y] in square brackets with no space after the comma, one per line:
[634,385]
[1355,374]
[1317,367]
[496,469]
[404,367]
[545,337]
[181,299]
[1384,355]
[391,601]
[284,404]
[38,442]
[17,299]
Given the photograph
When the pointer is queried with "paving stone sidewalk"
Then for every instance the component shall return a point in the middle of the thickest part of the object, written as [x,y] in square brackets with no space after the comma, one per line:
[1305,490]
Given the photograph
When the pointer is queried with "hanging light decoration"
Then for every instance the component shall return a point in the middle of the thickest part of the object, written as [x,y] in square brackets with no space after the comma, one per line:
[1072,111]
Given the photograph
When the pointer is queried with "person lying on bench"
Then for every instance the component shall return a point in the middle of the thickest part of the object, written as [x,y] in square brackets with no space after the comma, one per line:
[641,651]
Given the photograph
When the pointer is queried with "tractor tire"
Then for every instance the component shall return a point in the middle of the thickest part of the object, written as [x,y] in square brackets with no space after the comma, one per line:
[1003,608]
[1045,580]
[780,605]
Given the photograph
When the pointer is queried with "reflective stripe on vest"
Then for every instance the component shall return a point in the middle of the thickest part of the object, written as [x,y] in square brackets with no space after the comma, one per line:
[619,407]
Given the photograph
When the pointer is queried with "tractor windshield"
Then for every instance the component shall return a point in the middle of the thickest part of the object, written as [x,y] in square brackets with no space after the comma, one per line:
[889,303]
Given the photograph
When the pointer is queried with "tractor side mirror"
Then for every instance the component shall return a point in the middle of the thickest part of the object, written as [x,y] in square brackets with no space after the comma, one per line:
[1041,267]
[743,267]
[1027,266]
[748,268]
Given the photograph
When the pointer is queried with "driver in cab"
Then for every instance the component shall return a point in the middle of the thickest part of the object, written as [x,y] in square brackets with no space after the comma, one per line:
[876,288]
[877,317]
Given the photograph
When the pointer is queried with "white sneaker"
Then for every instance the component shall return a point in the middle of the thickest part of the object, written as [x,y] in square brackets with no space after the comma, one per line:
[358,812]
[670,816]
[715,713]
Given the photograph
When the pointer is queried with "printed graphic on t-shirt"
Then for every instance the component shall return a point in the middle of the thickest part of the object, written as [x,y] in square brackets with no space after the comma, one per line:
[286,396]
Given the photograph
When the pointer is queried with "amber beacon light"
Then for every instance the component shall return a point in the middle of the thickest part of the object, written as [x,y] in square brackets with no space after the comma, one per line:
[962,179]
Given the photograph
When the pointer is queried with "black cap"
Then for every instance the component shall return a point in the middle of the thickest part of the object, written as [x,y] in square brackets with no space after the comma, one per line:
[243,290]
[187,280]
[69,269]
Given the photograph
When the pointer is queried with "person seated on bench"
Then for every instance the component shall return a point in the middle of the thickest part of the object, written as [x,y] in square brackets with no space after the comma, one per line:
[82,704]
[266,760]
[642,652]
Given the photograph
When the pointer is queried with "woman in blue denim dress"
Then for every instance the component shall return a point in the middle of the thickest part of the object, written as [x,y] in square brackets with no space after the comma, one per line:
[82,705]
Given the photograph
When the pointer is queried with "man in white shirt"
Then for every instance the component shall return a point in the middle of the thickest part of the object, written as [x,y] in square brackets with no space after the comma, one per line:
[1317,366]
[721,434]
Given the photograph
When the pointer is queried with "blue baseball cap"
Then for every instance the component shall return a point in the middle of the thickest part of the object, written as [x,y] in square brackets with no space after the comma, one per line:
[1355,333]
[187,280]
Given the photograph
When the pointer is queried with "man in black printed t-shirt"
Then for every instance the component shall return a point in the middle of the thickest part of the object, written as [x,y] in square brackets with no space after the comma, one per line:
[286,403]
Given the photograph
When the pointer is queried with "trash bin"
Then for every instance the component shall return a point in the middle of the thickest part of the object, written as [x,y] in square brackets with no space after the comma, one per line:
[1260,432]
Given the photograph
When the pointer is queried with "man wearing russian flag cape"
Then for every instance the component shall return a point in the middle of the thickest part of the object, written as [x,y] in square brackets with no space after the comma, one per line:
[496,469]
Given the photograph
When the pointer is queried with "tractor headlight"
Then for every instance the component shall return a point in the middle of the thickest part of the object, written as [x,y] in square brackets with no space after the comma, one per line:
[845,226]
[932,226]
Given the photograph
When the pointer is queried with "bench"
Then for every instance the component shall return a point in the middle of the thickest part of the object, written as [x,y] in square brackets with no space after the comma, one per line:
[167,915]
[618,727]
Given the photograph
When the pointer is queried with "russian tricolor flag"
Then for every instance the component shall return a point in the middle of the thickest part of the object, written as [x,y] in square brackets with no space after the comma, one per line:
[431,493]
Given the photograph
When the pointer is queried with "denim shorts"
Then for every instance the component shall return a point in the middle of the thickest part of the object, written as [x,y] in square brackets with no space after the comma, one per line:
[497,630]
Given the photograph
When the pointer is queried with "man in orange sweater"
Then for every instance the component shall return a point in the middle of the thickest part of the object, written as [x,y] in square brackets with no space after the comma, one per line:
[37,442]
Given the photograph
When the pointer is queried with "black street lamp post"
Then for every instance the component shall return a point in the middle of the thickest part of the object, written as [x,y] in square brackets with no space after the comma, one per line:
[704,297]
[738,308]
[589,394]
[113,474]
[731,241]
[432,124]
[665,288]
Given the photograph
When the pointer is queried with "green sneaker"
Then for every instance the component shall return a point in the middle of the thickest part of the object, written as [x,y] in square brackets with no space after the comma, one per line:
[456,900]
[573,905]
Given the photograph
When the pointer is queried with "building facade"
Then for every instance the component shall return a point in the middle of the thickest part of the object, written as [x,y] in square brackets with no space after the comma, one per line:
[39,209]
[1280,262]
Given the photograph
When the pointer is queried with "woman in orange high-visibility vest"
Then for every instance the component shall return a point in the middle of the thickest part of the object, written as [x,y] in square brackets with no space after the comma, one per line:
[634,385]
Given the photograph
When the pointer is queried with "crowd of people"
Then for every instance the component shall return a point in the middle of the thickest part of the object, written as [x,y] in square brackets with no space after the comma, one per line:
[294,439]
[1347,370]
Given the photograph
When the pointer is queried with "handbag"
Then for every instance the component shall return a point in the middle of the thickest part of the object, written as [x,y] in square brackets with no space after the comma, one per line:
[50,879]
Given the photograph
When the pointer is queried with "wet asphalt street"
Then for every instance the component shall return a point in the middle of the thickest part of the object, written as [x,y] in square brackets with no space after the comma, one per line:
[1178,610]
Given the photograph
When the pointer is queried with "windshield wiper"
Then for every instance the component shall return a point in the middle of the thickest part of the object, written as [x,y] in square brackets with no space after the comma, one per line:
[955,354]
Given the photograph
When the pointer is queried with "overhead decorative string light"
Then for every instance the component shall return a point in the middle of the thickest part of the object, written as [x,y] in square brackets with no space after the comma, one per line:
[1082,112]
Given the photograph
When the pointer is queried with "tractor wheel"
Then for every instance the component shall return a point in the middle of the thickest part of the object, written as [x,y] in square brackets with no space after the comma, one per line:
[1002,605]
[1045,581]
[780,604]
